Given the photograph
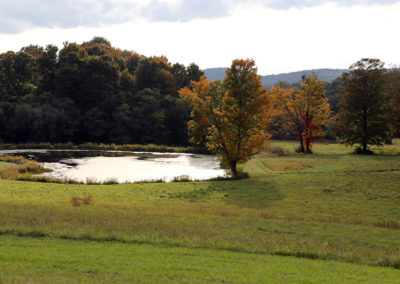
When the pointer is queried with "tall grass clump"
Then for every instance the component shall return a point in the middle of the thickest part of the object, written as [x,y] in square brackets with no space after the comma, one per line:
[277,151]
[20,168]
[12,159]
[182,178]
[78,201]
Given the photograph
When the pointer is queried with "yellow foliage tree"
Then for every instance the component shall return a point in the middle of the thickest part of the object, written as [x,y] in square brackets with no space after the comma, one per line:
[231,115]
[304,111]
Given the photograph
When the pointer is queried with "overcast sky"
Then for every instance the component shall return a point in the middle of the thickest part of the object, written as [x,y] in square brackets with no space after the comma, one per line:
[282,36]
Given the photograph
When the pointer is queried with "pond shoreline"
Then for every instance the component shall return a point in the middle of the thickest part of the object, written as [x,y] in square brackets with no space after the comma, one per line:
[117,167]
[108,147]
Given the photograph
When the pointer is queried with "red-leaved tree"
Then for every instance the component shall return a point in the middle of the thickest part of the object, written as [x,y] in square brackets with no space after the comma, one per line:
[308,134]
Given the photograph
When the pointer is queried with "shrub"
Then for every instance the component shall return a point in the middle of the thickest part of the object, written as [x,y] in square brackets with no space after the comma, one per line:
[279,151]
[182,178]
[358,150]
[78,201]
[111,181]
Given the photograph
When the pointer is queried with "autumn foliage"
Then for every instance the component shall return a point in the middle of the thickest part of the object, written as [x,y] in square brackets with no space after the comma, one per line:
[308,134]
[304,111]
[230,117]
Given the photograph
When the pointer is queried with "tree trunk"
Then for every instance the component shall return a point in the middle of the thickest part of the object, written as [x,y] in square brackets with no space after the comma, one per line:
[301,145]
[364,147]
[307,144]
[233,165]
[365,132]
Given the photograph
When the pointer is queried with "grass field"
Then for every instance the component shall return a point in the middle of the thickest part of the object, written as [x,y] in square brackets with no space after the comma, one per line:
[338,213]
[49,261]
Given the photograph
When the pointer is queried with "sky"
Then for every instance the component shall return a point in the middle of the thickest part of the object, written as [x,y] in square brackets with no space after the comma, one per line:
[281,36]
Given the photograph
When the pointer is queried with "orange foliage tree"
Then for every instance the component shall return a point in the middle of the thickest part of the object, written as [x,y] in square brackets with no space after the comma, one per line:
[305,111]
[230,117]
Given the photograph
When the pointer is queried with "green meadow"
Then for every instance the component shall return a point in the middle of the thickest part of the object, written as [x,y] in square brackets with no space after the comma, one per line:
[327,217]
[54,261]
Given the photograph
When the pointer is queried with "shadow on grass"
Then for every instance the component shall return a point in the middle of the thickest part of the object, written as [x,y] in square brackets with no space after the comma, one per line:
[249,193]
[246,193]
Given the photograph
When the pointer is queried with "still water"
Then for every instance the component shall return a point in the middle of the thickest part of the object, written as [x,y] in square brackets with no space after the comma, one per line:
[102,166]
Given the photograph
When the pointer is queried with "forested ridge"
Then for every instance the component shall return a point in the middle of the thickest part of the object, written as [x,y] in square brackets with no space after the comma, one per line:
[92,92]
[327,75]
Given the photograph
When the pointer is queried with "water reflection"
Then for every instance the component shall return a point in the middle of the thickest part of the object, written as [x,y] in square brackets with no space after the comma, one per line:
[125,166]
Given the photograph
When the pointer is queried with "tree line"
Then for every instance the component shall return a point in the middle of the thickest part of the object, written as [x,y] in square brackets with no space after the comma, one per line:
[92,92]
[235,117]
[360,107]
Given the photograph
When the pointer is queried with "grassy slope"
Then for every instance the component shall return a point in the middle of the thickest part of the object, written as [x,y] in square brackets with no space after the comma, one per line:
[49,261]
[329,206]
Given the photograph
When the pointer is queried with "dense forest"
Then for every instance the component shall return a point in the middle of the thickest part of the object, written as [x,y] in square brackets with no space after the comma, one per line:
[92,92]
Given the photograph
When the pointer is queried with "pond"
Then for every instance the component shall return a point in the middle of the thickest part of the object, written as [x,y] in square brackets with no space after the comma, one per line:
[123,167]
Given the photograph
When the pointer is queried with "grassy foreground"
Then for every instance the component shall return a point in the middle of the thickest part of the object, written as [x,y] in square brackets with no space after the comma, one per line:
[50,261]
[330,206]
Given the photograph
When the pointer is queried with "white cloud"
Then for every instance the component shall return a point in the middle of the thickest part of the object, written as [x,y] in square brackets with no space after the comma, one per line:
[328,36]
[19,15]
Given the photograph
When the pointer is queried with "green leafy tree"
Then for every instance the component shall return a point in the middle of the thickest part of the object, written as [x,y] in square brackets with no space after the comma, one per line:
[155,73]
[16,76]
[147,116]
[394,93]
[194,72]
[69,75]
[332,93]
[363,106]
[131,60]
[92,92]
[181,75]
[47,65]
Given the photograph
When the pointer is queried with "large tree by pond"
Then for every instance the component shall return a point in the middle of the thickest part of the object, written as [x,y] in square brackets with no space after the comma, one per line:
[363,108]
[230,116]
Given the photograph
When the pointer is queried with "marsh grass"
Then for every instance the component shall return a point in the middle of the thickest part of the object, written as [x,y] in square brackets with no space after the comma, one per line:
[112,147]
[13,159]
[20,168]
[78,201]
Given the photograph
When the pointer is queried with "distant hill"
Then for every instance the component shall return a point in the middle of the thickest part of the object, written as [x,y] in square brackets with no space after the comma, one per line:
[293,77]
[215,73]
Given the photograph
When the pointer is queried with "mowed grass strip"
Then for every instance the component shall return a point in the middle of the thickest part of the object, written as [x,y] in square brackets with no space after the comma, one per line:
[26,260]
[327,148]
